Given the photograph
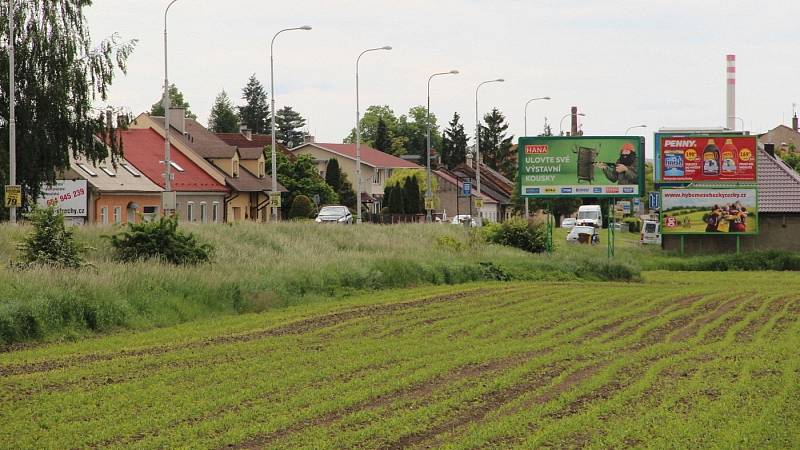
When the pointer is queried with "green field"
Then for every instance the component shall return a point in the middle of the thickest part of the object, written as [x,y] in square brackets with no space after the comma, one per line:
[678,360]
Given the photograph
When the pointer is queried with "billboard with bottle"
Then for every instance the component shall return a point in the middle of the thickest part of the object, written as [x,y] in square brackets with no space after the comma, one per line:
[709,210]
[691,158]
[581,166]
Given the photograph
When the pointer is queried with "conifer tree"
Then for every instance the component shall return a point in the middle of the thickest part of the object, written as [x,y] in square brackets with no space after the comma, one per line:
[255,113]
[288,125]
[223,119]
[454,143]
[496,145]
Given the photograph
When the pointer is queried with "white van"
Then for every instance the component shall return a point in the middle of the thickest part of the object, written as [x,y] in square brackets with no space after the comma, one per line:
[651,232]
[590,215]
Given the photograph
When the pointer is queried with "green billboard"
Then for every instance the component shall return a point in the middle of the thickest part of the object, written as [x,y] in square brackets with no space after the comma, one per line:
[581,166]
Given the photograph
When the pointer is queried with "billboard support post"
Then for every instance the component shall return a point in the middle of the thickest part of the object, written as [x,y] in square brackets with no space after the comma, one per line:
[610,244]
[738,244]
[549,235]
[682,243]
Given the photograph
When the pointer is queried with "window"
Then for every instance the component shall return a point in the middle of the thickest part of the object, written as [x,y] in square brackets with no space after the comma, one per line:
[117,214]
[176,166]
[190,211]
[104,215]
[236,168]
[149,213]
[376,176]
[262,169]
[215,212]
[203,217]
[87,169]
[108,171]
[131,169]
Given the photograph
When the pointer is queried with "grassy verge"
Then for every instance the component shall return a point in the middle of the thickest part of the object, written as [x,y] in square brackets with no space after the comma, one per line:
[258,268]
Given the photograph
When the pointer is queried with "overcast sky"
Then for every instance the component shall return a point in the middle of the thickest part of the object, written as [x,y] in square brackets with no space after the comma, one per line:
[623,63]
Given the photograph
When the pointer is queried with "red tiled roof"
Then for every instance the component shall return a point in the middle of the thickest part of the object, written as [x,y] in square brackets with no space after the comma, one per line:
[144,148]
[369,155]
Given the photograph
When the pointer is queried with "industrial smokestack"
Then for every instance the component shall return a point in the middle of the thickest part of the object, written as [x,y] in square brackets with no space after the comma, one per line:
[730,99]
[574,121]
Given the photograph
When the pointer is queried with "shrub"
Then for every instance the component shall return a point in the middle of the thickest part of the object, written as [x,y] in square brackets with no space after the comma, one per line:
[302,208]
[162,240]
[50,243]
[634,224]
[519,233]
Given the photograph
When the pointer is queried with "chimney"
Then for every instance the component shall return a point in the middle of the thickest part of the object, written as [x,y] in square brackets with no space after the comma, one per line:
[309,139]
[177,119]
[247,133]
[730,98]
[469,159]
[574,121]
[770,149]
[794,122]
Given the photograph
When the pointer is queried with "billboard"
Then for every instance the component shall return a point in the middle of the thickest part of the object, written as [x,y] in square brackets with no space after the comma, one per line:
[581,166]
[67,196]
[709,210]
[722,157]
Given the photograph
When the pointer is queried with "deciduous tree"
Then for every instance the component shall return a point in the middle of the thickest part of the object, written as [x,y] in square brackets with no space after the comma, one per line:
[176,100]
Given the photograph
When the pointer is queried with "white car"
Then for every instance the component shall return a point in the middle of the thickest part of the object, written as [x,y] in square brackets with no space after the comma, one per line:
[651,232]
[574,234]
[568,222]
[462,219]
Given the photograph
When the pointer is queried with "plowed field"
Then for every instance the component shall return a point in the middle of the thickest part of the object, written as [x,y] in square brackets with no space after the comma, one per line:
[682,360]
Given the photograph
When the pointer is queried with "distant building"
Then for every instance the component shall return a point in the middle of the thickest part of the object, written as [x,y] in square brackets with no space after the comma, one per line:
[494,186]
[783,137]
[451,198]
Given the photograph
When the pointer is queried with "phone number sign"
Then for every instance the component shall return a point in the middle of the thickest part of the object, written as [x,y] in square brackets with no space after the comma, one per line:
[67,196]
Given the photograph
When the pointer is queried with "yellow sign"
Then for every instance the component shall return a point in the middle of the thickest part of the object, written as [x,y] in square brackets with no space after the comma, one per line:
[479,202]
[430,203]
[13,196]
[275,199]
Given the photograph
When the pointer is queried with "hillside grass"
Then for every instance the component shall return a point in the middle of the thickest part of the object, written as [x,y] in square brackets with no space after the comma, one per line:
[675,361]
[258,267]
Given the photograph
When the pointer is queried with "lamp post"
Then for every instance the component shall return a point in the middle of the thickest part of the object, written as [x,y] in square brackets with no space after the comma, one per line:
[635,126]
[12,122]
[428,193]
[167,200]
[561,123]
[358,133]
[273,152]
[478,142]
[527,200]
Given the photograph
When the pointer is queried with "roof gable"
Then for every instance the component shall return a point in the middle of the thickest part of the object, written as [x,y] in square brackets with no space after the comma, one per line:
[369,156]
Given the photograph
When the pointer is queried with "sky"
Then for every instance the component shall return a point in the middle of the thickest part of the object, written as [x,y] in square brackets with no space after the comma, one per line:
[622,63]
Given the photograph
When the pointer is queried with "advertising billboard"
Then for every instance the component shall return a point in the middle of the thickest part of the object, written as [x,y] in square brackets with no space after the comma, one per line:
[581,166]
[67,196]
[709,210]
[690,158]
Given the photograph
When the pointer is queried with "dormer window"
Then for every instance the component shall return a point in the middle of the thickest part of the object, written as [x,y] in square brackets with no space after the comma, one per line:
[262,169]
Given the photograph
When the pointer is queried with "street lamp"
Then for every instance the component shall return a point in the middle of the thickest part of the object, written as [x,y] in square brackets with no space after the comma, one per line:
[478,141]
[635,126]
[358,133]
[273,152]
[428,193]
[527,200]
[740,119]
[526,110]
[561,123]
[12,121]
[168,199]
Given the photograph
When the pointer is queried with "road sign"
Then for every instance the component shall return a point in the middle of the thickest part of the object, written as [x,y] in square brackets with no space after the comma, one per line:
[13,197]
[654,200]
[429,203]
[479,203]
[275,199]
[466,188]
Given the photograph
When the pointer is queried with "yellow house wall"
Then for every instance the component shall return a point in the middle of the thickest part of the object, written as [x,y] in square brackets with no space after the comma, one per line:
[242,202]
[251,165]
[347,165]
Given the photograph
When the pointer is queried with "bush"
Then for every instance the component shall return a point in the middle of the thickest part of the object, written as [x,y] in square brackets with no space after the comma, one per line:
[634,224]
[50,243]
[302,208]
[519,233]
[160,240]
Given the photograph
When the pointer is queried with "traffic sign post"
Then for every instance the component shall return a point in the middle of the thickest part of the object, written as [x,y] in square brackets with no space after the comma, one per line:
[275,199]
[13,196]
[654,200]
[466,189]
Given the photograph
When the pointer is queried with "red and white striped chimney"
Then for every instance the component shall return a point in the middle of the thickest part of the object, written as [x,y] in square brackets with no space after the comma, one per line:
[730,99]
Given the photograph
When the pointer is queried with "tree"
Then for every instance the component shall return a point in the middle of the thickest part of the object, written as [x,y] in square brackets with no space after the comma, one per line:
[333,174]
[414,128]
[175,101]
[287,127]
[300,177]
[50,243]
[347,196]
[302,208]
[59,77]
[397,200]
[255,113]
[369,124]
[411,197]
[454,143]
[383,138]
[496,145]
[222,118]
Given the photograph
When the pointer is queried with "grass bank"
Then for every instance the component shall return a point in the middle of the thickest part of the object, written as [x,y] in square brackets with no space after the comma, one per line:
[259,267]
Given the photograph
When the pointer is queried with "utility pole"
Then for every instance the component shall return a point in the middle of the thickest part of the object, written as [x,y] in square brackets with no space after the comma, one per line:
[12,122]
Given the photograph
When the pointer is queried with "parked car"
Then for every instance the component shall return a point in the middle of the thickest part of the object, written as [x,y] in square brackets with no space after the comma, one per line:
[579,233]
[463,219]
[334,214]
[568,222]
[651,232]
[590,215]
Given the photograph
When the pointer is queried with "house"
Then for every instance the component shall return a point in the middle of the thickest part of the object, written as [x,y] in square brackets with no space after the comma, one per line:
[783,137]
[103,192]
[493,185]
[245,139]
[452,202]
[376,167]
[200,189]
[243,171]
[778,214]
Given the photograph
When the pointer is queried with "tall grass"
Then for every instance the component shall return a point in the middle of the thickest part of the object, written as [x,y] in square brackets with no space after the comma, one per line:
[259,267]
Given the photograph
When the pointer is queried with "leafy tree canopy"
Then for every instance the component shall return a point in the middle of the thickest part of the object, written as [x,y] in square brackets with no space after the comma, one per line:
[175,101]
[300,177]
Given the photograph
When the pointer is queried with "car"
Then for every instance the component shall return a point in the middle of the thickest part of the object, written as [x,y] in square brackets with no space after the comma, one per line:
[569,222]
[334,214]
[651,232]
[463,219]
[576,235]
[590,215]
